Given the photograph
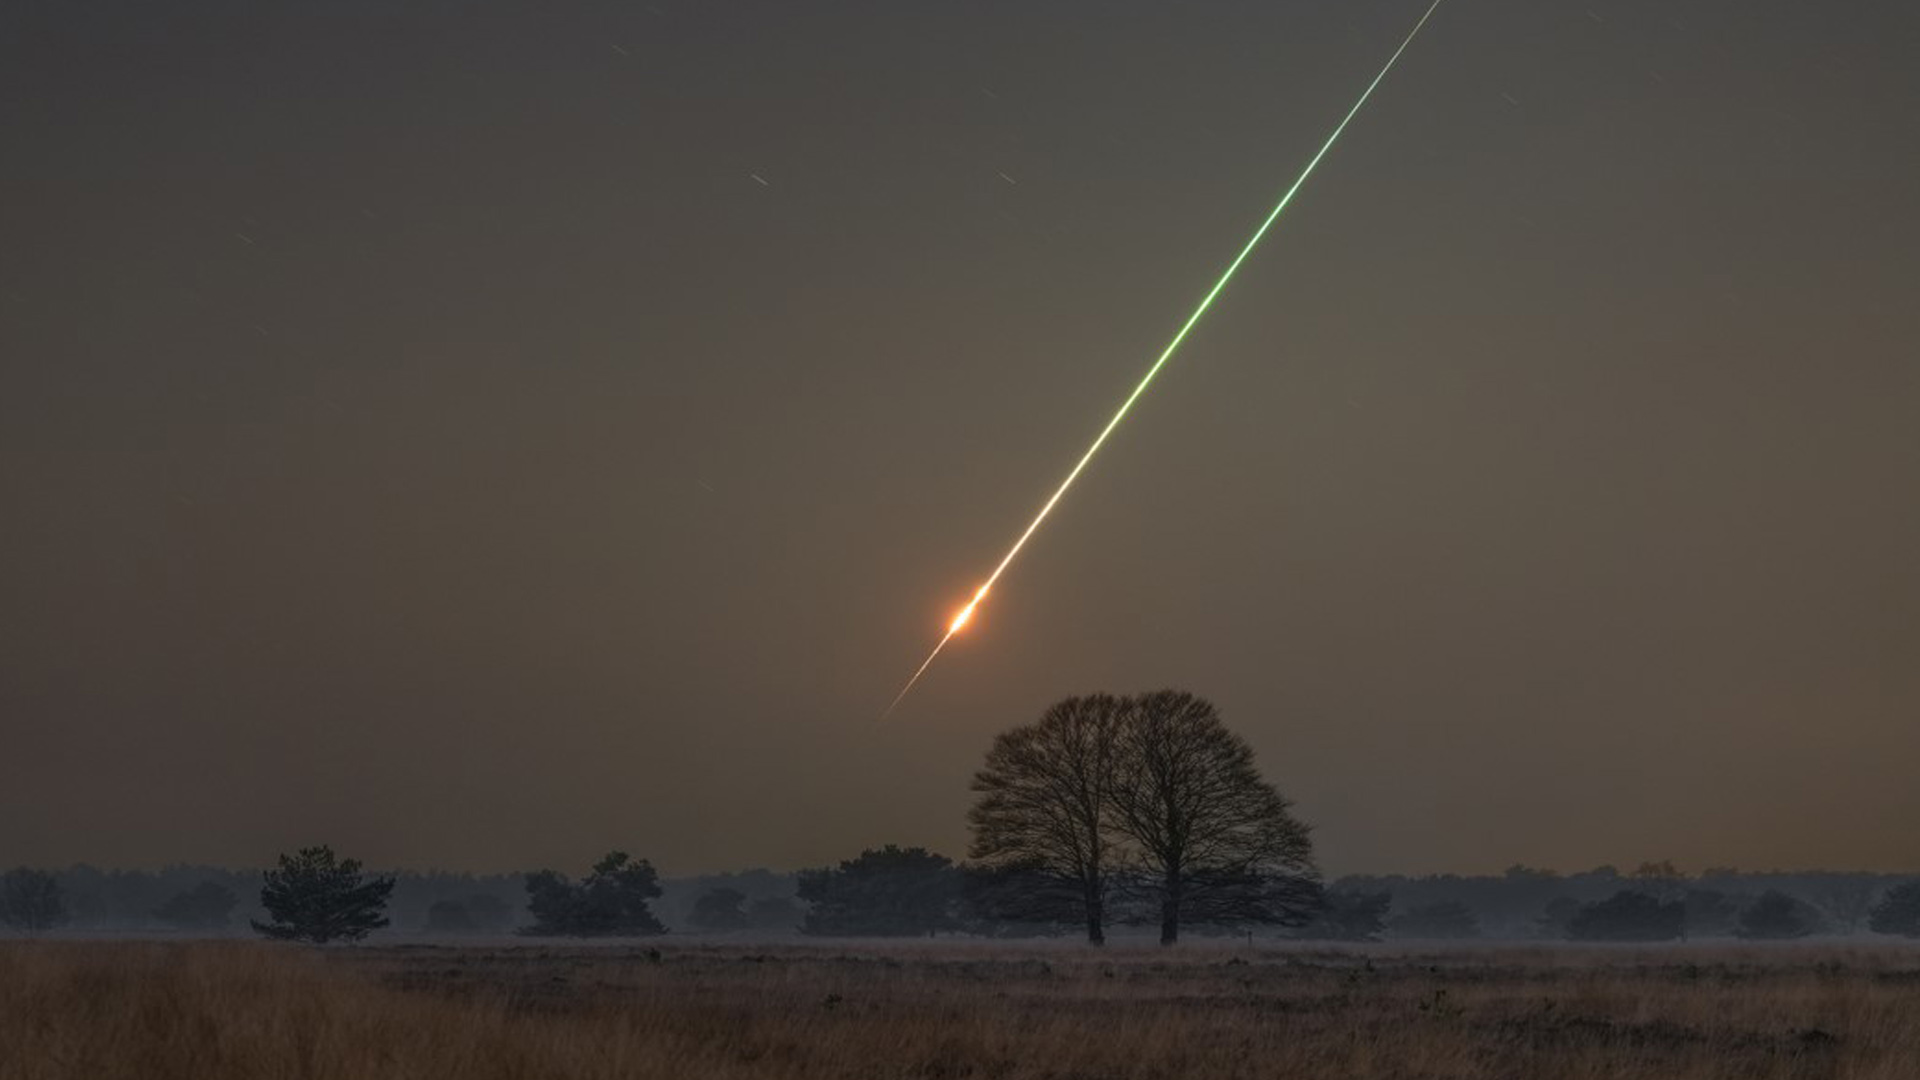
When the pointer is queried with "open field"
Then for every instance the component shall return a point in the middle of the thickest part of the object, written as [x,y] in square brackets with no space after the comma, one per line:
[217,1010]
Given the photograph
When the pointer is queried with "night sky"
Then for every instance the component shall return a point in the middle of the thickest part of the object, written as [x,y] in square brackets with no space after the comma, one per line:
[478,435]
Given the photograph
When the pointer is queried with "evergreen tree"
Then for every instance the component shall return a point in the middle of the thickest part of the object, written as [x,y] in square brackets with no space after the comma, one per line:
[317,898]
[610,902]
[888,892]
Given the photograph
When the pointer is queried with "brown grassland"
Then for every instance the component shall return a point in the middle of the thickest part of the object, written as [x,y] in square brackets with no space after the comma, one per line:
[224,1010]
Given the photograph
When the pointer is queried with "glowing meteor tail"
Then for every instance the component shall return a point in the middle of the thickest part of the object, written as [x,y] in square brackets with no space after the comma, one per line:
[1206,302]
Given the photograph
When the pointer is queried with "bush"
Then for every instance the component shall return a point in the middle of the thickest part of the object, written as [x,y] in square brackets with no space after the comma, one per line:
[888,892]
[1348,916]
[1776,917]
[1448,920]
[609,902]
[1629,916]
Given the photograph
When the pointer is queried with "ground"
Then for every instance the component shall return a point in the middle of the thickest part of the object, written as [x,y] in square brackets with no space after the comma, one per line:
[674,1008]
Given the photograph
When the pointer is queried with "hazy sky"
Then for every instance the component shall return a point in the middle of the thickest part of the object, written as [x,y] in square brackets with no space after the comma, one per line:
[478,435]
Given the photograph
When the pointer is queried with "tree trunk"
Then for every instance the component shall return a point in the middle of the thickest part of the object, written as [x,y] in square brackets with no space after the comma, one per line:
[1170,910]
[1096,922]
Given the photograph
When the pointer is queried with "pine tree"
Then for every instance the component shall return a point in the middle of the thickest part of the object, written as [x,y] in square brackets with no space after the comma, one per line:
[317,898]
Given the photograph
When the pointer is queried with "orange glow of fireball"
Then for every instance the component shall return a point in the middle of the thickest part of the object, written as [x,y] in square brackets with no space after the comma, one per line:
[960,620]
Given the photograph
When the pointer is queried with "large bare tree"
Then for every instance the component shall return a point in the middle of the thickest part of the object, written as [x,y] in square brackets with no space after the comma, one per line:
[1044,817]
[1212,841]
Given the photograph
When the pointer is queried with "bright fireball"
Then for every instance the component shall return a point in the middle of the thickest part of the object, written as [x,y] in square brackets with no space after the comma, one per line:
[960,620]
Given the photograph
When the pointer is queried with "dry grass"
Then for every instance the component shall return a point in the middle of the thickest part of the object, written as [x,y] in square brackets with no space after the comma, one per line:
[213,1010]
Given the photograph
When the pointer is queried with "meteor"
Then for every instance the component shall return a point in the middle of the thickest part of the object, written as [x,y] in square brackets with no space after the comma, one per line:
[966,613]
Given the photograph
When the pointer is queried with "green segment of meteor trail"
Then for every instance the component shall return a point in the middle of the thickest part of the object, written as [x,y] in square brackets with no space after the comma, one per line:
[1166,354]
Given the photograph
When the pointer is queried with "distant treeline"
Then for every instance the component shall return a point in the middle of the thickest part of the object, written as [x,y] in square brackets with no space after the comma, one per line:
[1524,903]
[1107,811]
[103,900]
[1527,903]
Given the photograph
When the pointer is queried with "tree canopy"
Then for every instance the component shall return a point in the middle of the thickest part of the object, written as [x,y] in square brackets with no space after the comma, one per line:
[1211,840]
[1629,916]
[1146,808]
[317,898]
[611,901]
[1341,915]
[1045,823]
[1777,917]
[885,892]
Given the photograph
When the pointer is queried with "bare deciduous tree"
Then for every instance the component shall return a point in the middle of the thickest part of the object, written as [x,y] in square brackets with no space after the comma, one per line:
[1213,841]
[1151,792]
[1046,807]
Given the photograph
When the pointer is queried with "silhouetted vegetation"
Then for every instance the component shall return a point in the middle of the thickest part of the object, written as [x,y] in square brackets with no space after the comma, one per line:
[1447,920]
[1556,917]
[488,913]
[1526,902]
[611,901]
[720,910]
[317,898]
[1660,879]
[207,906]
[1009,899]
[1776,917]
[1841,901]
[31,900]
[1213,841]
[1006,898]
[1898,912]
[1045,820]
[1347,916]
[888,892]
[779,914]
[1710,913]
[449,917]
[1149,797]
[1629,915]
[119,900]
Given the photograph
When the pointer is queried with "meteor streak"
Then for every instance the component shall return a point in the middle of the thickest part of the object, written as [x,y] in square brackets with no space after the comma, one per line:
[966,613]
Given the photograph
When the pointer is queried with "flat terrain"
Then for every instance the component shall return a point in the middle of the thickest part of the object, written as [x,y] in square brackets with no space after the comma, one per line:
[680,1009]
